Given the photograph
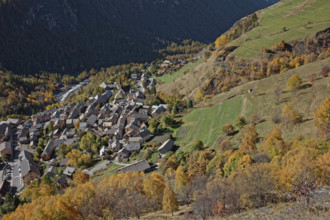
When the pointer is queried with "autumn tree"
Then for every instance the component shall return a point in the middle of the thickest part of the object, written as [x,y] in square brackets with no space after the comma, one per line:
[154,126]
[197,163]
[323,165]
[322,117]
[170,175]
[274,144]
[277,94]
[181,179]
[80,177]
[298,165]
[153,187]
[198,96]
[255,119]
[225,145]
[294,82]
[203,206]
[325,71]
[289,115]
[221,41]
[275,116]
[233,162]
[228,129]
[240,121]
[170,202]
[88,142]
[78,159]
[197,145]
[76,125]
[169,161]
[255,184]
[63,150]
[250,137]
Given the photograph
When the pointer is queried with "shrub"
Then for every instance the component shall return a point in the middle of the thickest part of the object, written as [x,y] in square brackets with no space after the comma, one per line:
[232,162]
[197,146]
[228,129]
[290,116]
[276,116]
[225,145]
[294,82]
[207,55]
[199,96]
[325,71]
[322,116]
[255,119]
[240,121]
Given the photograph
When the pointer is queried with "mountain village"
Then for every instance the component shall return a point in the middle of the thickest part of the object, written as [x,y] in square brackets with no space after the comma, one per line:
[122,119]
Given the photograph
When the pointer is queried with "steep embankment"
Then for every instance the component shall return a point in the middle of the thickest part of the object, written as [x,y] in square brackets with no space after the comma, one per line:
[71,35]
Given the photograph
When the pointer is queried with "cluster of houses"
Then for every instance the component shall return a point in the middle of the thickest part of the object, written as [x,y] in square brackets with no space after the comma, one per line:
[123,119]
[171,66]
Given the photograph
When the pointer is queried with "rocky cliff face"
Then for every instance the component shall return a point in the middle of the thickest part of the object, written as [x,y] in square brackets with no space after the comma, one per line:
[67,36]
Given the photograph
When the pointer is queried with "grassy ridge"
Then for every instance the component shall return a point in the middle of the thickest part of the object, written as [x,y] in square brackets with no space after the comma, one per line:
[167,78]
[294,15]
[205,123]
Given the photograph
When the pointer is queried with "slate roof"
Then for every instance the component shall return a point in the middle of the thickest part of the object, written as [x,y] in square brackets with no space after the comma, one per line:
[51,145]
[14,121]
[140,166]
[62,180]
[24,154]
[69,171]
[145,133]
[27,167]
[5,145]
[91,120]
[63,162]
[166,147]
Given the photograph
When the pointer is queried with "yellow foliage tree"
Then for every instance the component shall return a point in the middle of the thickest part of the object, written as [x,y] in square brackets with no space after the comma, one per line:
[199,96]
[274,144]
[290,115]
[298,165]
[249,138]
[78,159]
[170,203]
[221,41]
[153,187]
[323,165]
[294,82]
[322,116]
[76,125]
[181,179]
[80,177]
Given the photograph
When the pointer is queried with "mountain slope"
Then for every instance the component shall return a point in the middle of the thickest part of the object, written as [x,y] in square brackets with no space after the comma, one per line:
[246,52]
[71,35]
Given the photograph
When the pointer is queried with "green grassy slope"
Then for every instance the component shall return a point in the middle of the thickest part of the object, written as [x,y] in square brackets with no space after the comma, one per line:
[205,123]
[167,78]
[292,14]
